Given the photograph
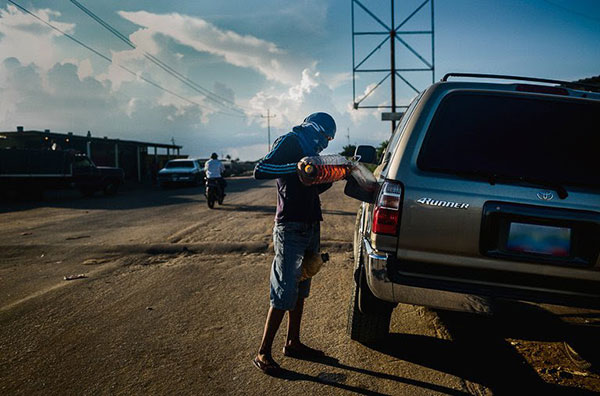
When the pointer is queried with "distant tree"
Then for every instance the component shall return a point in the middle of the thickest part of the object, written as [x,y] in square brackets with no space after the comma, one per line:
[348,151]
[228,157]
[381,149]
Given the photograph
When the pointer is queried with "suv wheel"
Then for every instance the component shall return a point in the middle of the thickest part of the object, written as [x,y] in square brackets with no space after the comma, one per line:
[366,328]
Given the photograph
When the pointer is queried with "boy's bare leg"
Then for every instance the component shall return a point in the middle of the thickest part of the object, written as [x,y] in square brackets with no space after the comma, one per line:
[274,318]
[295,348]
[294,322]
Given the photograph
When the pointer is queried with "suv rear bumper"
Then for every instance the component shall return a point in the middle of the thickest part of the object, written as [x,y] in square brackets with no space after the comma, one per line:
[390,289]
[538,288]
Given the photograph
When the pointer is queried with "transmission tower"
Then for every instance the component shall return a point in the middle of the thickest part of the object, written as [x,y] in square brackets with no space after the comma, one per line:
[393,34]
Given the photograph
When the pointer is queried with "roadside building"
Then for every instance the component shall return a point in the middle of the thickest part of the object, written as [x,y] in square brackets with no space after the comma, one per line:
[139,160]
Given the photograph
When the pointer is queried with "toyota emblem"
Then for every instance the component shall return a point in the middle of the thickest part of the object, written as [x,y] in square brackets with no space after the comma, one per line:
[545,195]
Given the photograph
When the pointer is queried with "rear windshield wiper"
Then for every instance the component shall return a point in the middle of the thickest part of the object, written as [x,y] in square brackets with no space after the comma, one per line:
[494,178]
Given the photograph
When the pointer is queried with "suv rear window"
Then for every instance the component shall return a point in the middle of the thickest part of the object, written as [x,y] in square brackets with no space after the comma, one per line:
[547,139]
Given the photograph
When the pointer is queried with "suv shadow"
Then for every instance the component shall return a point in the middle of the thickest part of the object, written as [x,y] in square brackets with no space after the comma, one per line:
[479,350]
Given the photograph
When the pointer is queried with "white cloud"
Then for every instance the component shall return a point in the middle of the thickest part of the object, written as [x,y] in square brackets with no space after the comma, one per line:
[116,74]
[359,115]
[28,39]
[293,105]
[43,86]
[339,79]
[84,67]
[242,51]
[69,103]
[307,84]
[251,152]
[131,107]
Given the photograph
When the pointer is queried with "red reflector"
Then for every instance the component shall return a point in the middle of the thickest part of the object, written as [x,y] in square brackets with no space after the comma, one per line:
[542,89]
[385,221]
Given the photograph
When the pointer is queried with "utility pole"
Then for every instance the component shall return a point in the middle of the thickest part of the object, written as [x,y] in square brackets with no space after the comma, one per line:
[348,135]
[268,117]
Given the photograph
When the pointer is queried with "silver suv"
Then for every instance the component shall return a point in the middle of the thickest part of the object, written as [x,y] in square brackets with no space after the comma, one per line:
[486,190]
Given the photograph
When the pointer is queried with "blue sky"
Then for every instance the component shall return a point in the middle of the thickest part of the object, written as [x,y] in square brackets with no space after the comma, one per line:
[292,57]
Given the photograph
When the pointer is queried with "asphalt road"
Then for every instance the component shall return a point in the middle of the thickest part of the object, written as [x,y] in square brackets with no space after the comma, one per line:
[174,295]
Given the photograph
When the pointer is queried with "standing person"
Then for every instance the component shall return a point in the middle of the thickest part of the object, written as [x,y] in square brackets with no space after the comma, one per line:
[296,231]
[214,170]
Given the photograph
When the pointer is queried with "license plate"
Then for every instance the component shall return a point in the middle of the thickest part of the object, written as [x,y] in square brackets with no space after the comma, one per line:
[539,239]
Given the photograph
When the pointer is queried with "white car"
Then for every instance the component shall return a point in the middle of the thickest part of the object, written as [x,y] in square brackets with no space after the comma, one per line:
[181,171]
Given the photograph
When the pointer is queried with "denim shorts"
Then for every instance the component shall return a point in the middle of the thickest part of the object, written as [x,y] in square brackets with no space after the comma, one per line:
[291,240]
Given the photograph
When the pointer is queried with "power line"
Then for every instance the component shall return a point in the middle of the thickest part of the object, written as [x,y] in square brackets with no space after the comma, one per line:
[111,61]
[572,11]
[226,103]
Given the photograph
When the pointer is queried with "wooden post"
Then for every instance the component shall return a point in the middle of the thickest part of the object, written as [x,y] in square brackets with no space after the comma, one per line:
[139,165]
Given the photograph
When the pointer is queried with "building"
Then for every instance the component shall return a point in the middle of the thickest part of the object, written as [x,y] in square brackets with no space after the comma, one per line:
[139,160]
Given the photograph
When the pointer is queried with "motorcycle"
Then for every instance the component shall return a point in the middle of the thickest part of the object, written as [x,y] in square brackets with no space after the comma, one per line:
[213,192]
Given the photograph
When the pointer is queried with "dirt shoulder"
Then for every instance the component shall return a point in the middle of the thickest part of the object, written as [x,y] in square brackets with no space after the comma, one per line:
[180,310]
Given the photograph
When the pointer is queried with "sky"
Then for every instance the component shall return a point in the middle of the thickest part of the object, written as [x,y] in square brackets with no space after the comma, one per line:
[288,58]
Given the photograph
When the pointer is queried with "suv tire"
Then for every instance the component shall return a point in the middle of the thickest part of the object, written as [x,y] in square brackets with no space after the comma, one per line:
[366,328]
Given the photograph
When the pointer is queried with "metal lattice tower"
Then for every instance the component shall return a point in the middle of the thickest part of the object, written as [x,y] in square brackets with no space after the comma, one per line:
[393,34]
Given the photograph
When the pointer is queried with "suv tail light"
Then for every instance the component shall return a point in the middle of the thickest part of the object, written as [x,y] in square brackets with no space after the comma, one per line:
[386,214]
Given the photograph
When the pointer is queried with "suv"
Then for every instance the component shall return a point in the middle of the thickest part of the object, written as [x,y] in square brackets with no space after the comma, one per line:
[486,190]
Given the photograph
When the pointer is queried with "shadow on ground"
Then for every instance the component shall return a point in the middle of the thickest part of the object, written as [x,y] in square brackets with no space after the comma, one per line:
[479,352]
[336,379]
[272,208]
[130,197]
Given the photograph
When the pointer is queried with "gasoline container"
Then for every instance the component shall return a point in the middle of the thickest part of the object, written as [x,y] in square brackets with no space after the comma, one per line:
[324,169]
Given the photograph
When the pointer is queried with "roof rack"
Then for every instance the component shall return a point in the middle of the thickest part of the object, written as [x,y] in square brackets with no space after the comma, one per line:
[568,84]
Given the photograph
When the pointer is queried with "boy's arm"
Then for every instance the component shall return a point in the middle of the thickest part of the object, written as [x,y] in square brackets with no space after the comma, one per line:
[281,161]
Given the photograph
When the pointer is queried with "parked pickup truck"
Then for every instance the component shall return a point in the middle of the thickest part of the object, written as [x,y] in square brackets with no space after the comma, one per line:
[34,171]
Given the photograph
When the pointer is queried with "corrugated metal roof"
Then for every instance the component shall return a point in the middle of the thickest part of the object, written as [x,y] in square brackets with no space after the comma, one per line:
[92,138]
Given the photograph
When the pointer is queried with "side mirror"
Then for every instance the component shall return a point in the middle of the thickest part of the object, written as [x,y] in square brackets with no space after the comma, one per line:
[366,154]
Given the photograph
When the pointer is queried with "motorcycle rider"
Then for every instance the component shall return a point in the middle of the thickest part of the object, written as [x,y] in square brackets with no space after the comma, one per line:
[214,169]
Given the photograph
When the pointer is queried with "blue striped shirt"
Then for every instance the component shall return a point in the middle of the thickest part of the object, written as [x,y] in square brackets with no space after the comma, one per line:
[295,201]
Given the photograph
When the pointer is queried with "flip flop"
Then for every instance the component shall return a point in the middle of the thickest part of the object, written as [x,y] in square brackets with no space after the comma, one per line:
[303,352]
[267,368]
